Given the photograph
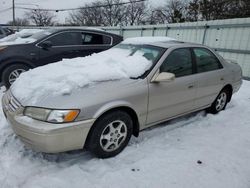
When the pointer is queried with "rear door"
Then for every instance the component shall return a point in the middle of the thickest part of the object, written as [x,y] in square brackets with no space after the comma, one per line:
[94,43]
[210,76]
[169,99]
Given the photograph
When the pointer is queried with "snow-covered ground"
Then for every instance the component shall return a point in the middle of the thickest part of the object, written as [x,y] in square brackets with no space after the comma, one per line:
[165,156]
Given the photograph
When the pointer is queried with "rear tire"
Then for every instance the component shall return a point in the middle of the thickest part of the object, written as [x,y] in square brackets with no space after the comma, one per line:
[220,102]
[110,134]
[11,73]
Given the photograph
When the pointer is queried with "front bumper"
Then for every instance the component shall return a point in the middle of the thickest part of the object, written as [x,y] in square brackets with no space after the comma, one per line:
[43,136]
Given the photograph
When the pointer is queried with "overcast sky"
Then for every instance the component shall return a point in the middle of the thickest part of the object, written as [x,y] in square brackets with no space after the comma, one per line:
[53,4]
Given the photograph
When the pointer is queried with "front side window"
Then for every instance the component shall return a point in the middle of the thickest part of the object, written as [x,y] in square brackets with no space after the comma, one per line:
[206,60]
[94,39]
[7,31]
[66,39]
[178,62]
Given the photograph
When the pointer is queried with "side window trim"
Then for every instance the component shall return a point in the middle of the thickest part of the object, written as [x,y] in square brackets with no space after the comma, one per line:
[195,71]
[111,42]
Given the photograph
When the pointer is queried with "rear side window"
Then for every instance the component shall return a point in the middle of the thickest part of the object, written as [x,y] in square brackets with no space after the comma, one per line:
[66,39]
[178,62]
[206,60]
[1,33]
[94,39]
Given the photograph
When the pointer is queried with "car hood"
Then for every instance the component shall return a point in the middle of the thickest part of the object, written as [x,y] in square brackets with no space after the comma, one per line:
[18,41]
[95,94]
[65,77]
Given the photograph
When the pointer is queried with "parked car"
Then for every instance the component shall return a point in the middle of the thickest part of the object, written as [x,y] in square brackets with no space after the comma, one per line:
[50,46]
[120,92]
[4,31]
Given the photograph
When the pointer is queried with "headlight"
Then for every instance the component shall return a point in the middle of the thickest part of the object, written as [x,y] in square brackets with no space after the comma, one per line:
[2,47]
[49,115]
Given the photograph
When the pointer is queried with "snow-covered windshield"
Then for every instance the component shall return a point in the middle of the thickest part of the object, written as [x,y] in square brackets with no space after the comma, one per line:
[151,53]
[120,62]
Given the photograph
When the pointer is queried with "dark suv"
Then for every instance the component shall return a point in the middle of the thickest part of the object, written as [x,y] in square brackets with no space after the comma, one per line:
[50,46]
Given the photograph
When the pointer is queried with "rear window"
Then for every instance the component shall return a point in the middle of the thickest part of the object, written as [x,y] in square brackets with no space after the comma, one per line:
[206,60]
[95,39]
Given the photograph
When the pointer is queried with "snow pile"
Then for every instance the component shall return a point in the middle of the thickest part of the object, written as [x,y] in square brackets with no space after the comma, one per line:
[19,37]
[147,40]
[63,77]
[163,156]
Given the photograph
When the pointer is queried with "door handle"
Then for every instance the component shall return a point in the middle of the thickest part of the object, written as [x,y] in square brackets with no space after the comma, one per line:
[190,86]
[221,78]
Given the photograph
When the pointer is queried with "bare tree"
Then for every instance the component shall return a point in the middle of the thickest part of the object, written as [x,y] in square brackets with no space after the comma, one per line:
[100,13]
[135,13]
[237,9]
[173,12]
[193,10]
[217,9]
[90,15]
[157,16]
[41,17]
[19,22]
[113,12]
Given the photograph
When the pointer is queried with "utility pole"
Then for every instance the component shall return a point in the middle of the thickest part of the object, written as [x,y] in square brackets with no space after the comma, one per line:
[14,16]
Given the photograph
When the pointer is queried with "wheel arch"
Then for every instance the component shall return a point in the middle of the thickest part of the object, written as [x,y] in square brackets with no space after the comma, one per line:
[11,62]
[229,88]
[132,113]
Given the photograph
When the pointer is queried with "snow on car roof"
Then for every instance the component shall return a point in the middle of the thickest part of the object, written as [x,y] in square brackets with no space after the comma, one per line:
[63,77]
[147,40]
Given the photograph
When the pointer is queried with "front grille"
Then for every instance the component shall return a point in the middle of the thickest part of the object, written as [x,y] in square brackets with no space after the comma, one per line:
[11,103]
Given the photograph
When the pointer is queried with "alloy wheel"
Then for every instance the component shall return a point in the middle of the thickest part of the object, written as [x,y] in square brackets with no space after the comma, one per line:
[221,101]
[14,75]
[113,135]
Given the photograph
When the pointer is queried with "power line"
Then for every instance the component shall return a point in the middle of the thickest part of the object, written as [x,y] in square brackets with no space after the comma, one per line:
[80,8]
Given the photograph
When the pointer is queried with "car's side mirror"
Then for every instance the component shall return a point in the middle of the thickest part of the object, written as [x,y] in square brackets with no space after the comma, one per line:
[46,44]
[164,77]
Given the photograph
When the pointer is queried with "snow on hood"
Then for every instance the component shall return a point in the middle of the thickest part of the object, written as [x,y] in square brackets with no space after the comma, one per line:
[19,40]
[19,37]
[145,40]
[63,77]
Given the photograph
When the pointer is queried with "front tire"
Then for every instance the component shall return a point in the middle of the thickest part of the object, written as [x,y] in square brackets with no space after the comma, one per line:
[11,73]
[110,134]
[220,102]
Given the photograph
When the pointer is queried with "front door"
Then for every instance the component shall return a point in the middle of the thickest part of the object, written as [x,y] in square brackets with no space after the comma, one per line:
[65,45]
[169,99]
